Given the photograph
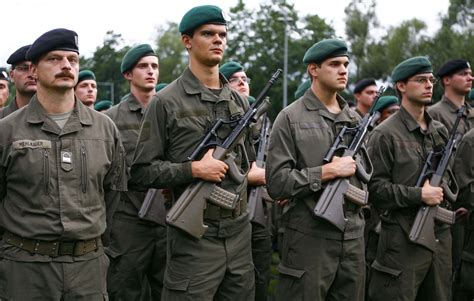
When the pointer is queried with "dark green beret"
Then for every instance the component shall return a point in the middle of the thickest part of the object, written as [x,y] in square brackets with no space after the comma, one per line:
[325,49]
[385,102]
[452,67]
[18,56]
[160,86]
[302,88]
[230,68]
[85,74]
[364,83]
[471,95]
[56,39]
[251,99]
[410,67]
[103,105]
[200,15]
[133,55]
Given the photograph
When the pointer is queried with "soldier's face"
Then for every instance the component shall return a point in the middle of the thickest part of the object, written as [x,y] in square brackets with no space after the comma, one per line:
[4,92]
[22,77]
[332,74]
[366,97]
[86,92]
[144,75]
[208,43]
[239,82]
[57,69]
[419,88]
[460,82]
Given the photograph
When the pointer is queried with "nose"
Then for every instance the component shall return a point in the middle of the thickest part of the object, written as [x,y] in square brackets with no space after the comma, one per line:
[65,63]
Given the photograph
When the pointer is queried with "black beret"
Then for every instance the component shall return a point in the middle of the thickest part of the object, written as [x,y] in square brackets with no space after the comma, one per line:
[4,74]
[452,67]
[18,56]
[103,105]
[385,102]
[325,49]
[200,15]
[134,54]
[302,88]
[364,83]
[56,39]
[410,67]
[85,74]
[230,68]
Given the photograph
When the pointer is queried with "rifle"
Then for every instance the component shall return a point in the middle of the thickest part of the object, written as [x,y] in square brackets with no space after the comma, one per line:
[331,202]
[187,213]
[153,207]
[256,210]
[422,230]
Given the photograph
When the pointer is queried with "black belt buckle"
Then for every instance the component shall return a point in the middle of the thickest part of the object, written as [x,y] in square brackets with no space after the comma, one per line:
[67,248]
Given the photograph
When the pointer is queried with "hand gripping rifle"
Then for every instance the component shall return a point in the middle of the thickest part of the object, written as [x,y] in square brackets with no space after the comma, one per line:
[256,209]
[422,230]
[187,213]
[330,205]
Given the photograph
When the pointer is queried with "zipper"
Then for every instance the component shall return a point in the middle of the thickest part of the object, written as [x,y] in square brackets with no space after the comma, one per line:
[83,169]
[46,171]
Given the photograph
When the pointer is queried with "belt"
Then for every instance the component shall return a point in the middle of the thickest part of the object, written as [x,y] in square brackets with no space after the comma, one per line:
[53,248]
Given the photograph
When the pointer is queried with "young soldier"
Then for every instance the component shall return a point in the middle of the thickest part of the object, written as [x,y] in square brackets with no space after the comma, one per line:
[319,261]
[61,167]
[365,92]
[398,147]
[219,265]
[261,234]
[86,88]
[138,247]
[22,77]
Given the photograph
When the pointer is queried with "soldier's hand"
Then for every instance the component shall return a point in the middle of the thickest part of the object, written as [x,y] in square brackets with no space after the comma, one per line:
[256,175]
[339,167]
[431,195]
[208,168]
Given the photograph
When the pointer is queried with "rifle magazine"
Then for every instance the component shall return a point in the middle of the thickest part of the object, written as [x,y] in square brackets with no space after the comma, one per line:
[223,198]
[356,195]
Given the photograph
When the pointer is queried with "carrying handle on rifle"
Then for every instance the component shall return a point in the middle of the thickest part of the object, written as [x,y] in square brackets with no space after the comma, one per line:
[364,174]
[450,191]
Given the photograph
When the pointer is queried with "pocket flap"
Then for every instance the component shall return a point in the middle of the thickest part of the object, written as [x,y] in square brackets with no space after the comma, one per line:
[176,282]
[381,268]
[290,272]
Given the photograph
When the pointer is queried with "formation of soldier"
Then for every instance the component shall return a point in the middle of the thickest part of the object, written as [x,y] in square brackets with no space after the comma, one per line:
[86,197]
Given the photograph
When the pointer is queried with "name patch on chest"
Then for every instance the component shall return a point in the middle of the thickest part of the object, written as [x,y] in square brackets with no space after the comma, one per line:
[26,143]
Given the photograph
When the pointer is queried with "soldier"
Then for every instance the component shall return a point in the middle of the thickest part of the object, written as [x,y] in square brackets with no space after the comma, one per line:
[22,78]
[404,270]
[86,88]
[138,247]
[319,262]
[4,89]
[218,265]
[61,167]
[387,106]
[365,92]
[261,233]
[103,105]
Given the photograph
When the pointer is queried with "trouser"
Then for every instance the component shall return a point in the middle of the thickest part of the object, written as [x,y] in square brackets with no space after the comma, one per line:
[262,259]
[464,284]
[138,260]
[54,281]
[315,268]
[210,268]
[404,270]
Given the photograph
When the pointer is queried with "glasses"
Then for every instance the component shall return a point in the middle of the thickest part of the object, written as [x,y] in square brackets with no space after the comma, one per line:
[424,80]
[236,79]
[22,68]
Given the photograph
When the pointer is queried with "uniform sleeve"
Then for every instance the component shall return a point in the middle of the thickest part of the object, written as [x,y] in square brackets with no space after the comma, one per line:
[383,193]
[284,179]
[150,169]
[464,172]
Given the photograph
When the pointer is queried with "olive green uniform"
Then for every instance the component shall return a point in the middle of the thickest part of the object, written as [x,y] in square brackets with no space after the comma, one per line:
[404,270]
[219,265]
[12,107]
[319,262]
[464,172]
[57,187]
[138,247]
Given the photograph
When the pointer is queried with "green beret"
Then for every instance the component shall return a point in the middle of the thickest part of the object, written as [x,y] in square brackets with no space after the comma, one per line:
[385,102]
[302,88]
[471,95]
[200,15]
[56,39]
[160,86]
[103,105]
[251,99]
[85,74]
[230,68]
[134,54]
[325,49]
[410,67]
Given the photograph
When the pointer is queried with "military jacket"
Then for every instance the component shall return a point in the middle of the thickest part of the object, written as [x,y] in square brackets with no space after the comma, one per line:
[445,112]
[301,135]
[464,170]
[57,184]
[127,116]
[12,107]
[175,122]
[398,149]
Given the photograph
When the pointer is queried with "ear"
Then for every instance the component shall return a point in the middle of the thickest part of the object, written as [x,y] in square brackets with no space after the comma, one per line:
[11,76]
[446,80]
[186,40]
[128,75]
[401,86]
[313,69]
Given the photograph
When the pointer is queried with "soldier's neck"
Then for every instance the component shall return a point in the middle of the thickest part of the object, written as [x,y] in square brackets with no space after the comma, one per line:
[455,98]
[56,101]
[417,111]
[143,96]
[208,76]
[22,99]
[327,97]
